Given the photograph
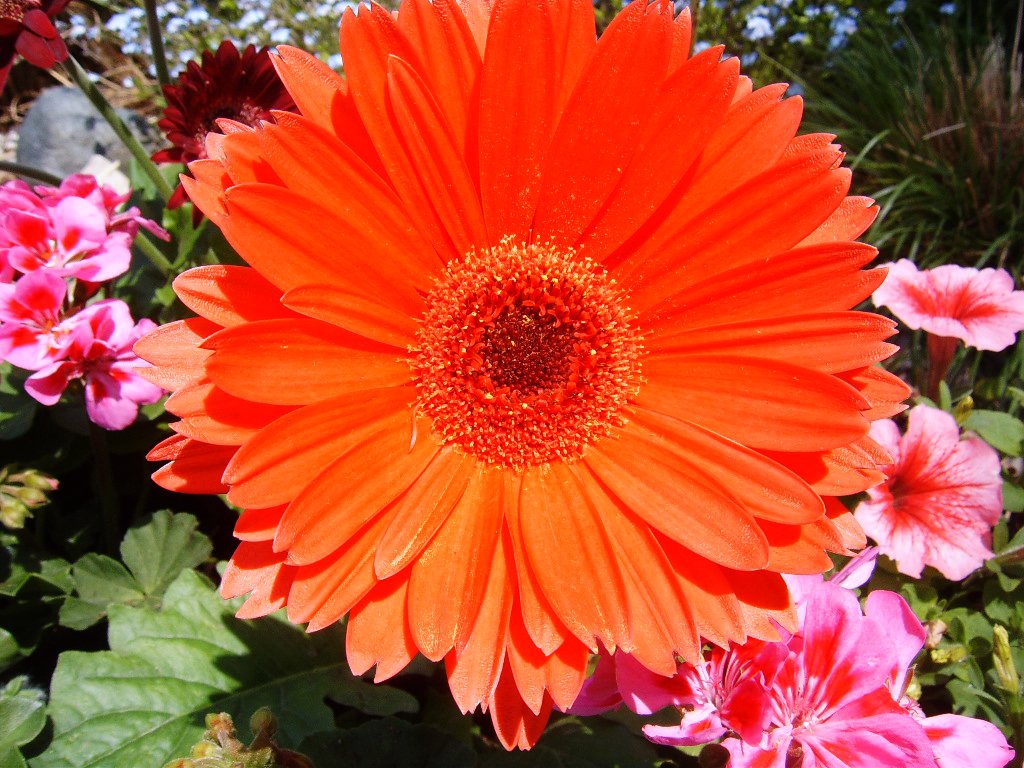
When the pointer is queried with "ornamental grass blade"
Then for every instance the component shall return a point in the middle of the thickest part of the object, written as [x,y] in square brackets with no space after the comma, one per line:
[143,702]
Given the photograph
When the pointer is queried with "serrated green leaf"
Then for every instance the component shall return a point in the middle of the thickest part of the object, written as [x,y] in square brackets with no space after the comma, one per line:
[1002,431]
[1013,497]
[143,702]
[372,699]
[101,582]
[157,551]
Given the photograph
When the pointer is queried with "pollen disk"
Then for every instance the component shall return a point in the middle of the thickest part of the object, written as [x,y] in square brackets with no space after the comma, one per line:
[526,355]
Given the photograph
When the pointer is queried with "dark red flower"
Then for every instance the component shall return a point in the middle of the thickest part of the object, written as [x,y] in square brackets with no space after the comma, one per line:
[227,85]
[26,28]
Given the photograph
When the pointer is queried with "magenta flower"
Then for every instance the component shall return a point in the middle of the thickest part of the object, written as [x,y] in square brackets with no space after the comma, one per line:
[941,500]
[829,702]
[106,198]
[978,307]
[33,331]
[100,355]
[956,740]
[73,230]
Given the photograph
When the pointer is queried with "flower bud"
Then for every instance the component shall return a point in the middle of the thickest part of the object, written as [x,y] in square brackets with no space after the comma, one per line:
[1002,658]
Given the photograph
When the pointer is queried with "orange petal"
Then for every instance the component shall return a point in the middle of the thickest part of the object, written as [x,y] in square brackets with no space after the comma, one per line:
[473,671]
[318,165]
[431,148]
[512,151]
[285,456]
[709,594]
[658,611]
[614,96]
[378,467]
[848,222]
[546,631]
[212,416]
[740,229]
[450,577]
[824,278]
[294,362]
[561,673]
[759,403]
[763,487]
[564,538]
[514,723]
[293,240]
[681,35]
[357,314]
[258,524]
[256,569]
[174,351]
[368,40]
[648,480]
[833,342]
[886,392]
[378,633]
[691,103]
[324,591]
[422,509]
[453,66]
[229,295]
[197,468]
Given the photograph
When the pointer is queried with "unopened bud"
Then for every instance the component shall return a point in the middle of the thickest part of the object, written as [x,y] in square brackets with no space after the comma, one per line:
[263,724]
[1002,657]
[963,409]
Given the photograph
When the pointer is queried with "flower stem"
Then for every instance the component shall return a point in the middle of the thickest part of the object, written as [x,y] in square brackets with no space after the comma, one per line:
[78,74]
[156,42]
[107,489]
[156,258]
[33,173]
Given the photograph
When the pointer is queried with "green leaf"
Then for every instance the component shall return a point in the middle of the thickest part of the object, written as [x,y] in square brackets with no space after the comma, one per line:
[22,713]
[143,702]
[1013,497]
[17,409]
[163,547]
[1002,431]
[101,581]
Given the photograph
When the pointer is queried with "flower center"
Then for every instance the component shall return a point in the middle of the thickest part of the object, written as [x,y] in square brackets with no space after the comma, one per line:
[15,10]
[526,354]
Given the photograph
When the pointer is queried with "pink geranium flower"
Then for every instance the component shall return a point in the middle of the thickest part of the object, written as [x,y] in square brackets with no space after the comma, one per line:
[73,230]
[107,199]
[950,302]
[727,692]
[941,500]
[829,703]
[33,330]
[100,355]
[956,740]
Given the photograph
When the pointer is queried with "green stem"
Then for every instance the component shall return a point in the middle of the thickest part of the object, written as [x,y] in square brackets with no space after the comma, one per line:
[156,42]
[156,258]
[33,173]
[107,489]
[110,115]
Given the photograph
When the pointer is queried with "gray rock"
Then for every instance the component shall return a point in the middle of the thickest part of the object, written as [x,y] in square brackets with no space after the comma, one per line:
[62,130]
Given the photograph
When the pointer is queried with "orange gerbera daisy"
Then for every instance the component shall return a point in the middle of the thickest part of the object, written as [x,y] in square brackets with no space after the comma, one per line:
[544,344]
